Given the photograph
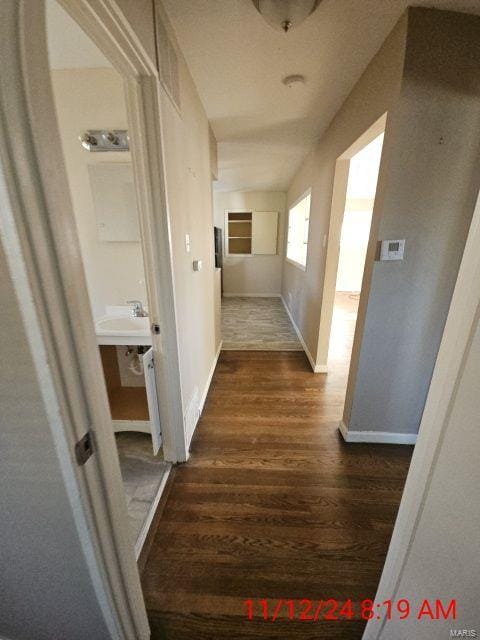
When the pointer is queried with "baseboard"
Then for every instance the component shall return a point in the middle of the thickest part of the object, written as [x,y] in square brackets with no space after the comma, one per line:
[143,426]
[204,395]
[376,437]
[252,295]
[209,380]
[315,368]
[149,538]
[142,536]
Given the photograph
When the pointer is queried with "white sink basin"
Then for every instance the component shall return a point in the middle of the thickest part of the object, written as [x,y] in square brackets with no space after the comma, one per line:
[123,329]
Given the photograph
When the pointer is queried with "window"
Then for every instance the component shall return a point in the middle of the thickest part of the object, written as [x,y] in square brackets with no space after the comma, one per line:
[298,223]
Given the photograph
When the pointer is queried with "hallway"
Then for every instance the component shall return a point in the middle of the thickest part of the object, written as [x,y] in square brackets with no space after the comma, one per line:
[272,504]
[257,323]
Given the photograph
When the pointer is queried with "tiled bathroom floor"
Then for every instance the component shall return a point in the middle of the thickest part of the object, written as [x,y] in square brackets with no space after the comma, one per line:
[257,324]
[142,474]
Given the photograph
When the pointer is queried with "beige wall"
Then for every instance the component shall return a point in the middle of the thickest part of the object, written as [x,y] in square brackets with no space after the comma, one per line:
[189,193]
[188,168]
[373,95]
[252,274]
[94,99]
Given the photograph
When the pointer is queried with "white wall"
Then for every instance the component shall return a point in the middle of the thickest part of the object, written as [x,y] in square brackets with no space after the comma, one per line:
[353,249]
[94,99]
[252,274]
[361,187]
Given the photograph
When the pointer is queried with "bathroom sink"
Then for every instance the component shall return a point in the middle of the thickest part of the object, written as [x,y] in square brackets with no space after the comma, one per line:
[123,324]
[123,329]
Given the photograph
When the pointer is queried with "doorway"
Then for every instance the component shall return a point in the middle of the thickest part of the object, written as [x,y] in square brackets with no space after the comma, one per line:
[354,189]
[94,131]
[354,239]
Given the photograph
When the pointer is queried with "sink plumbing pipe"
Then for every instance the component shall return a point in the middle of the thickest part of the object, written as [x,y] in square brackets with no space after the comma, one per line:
[136,365]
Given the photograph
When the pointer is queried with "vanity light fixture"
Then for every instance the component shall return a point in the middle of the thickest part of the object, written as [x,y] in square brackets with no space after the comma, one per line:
[285,14]
[105,140]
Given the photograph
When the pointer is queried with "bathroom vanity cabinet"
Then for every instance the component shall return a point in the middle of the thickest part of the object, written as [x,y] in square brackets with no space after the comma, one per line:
[132,394]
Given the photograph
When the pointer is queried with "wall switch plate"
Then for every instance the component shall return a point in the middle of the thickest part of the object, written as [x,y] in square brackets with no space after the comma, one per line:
[187,242]
[392,250]
[197,265]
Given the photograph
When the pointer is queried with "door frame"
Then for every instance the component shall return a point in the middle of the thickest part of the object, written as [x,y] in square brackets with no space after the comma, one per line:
[106,26]
[337,211]
[37,229]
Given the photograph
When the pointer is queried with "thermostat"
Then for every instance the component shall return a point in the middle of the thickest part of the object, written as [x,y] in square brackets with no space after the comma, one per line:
[392,249]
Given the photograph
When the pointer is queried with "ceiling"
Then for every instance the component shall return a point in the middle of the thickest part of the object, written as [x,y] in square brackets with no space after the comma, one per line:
[68,46]
[237,61]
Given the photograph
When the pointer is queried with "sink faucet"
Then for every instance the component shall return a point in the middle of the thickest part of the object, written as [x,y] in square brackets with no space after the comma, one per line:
[138,311]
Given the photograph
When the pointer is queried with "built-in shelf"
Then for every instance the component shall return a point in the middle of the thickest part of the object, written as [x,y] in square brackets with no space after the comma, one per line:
[239,232]
[249,233]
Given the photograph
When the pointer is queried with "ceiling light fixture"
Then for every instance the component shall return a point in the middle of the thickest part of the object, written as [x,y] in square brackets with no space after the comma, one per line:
[285,14]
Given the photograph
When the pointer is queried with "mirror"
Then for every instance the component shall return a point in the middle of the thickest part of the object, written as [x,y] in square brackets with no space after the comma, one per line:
[115,203]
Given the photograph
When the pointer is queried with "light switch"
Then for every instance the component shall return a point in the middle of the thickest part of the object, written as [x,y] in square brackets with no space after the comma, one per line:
[187,242]
[197,265]
[392,250]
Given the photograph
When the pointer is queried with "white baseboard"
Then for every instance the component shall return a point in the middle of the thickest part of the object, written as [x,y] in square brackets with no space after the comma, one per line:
[143,426]
[209,380]
[315,367]
[251,295]
[142,536]
[201,403]
[378,437]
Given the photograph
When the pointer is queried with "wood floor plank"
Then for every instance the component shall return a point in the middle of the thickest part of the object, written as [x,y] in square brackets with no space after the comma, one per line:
[272,504]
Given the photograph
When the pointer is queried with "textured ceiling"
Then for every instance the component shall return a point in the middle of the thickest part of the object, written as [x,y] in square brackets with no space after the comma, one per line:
[237,61]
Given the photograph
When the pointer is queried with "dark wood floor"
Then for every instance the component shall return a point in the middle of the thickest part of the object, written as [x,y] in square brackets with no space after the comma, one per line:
[272,504]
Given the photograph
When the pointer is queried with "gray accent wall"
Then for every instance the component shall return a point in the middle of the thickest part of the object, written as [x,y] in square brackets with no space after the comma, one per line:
[426,194]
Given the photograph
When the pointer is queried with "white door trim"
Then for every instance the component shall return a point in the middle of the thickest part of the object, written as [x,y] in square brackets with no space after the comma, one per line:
[462,321]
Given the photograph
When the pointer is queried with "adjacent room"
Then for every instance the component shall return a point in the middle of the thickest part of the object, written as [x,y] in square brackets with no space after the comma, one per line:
[355,225]
[93,124]
[250,229]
